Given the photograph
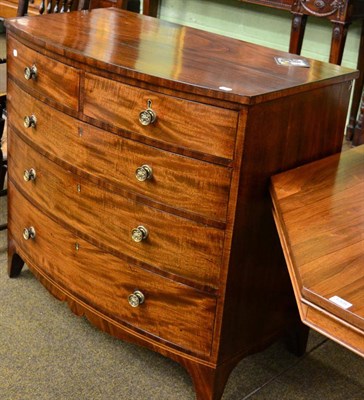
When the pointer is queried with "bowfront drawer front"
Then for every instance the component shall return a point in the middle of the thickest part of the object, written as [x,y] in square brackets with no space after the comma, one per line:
[49,78]
[173,244]
[170,120]
[171,311]
[162,176]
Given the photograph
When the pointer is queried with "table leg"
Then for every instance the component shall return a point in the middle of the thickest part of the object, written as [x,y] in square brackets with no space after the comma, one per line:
[296,339]
[297,32]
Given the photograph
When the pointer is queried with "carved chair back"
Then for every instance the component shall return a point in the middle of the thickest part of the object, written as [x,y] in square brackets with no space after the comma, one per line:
[3,152]
[53,6]
[60,6]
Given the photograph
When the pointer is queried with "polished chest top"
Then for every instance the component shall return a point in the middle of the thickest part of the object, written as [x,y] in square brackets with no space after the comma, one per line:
[140,152]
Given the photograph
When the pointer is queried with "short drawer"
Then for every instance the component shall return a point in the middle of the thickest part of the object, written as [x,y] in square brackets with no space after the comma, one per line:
[177,181]
[54,80]
[185,124]
[174,244]
[171,311]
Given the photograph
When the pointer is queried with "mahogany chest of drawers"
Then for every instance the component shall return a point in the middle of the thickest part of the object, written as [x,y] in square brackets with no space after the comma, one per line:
[139,159]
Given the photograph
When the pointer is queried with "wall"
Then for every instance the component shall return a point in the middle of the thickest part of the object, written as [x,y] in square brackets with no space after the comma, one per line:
[257,24]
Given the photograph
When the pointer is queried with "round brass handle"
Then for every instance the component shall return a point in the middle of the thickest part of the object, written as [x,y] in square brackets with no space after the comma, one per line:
[29,175]
[140,233]
[29,233]
[30,121]
[30,72]
[143,173]
[147,117]
[136,299]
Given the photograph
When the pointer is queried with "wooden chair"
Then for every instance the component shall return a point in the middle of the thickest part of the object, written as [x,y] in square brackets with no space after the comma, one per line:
[3,152]
[150,7]
[53,6]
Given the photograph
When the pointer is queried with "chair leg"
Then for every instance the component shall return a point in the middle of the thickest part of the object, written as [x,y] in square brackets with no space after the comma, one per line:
[3,191]
[297,33]
[3,171]
[151,7]
[3,167]
[3,226]
[358,90]
[358,136]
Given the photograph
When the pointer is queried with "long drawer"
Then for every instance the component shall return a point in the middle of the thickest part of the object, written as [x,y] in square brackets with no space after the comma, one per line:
[54,80]
[171,311]
[185,124]
[174,244]
[176,181]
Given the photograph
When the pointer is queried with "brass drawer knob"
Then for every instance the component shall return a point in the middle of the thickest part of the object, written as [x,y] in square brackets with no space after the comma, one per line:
[29,233]
[29,175]
[30,121]
[136,298]
[30,72]
[140,233]
[148,116]
[143,173]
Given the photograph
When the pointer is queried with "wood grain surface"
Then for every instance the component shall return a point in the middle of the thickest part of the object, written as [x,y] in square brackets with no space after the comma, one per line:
[54,80]
[182,123]
[175,57]
[177,182]
[320,212]
[175,245]
[172,311]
